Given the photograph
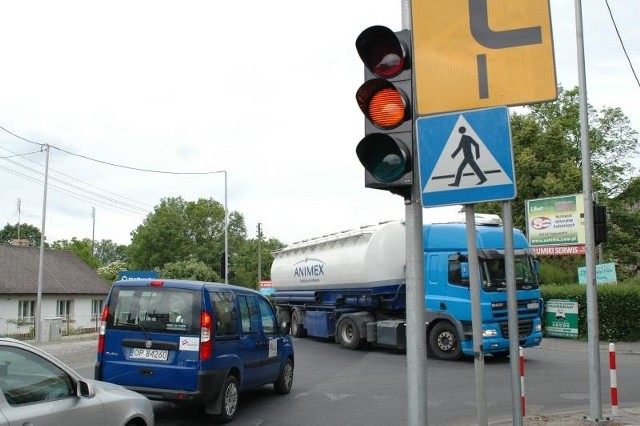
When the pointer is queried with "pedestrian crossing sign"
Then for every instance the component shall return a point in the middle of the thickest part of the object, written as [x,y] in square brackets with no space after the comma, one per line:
[465,157]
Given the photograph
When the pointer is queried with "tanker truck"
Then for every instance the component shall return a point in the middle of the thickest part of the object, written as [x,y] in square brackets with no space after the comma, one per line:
[349,287]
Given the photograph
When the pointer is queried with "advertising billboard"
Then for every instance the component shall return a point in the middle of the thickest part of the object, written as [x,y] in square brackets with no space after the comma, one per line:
[555,225]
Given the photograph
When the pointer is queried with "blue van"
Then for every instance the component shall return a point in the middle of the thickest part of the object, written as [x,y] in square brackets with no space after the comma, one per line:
[192,342]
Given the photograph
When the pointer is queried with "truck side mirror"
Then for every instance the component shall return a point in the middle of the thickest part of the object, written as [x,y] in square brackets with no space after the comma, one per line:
[536,266]
[284,327]
[464,270]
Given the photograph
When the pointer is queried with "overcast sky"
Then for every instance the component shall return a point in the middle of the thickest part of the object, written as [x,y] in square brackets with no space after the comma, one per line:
[262,90]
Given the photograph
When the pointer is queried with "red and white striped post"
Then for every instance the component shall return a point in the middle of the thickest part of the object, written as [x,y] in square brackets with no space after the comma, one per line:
[613,379]
[521,359]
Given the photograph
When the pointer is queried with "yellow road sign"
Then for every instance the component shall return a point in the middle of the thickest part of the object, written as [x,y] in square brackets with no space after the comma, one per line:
[481,53]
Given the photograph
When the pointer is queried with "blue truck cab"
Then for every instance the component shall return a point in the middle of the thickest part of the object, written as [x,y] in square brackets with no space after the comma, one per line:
[447,292]
[192,342]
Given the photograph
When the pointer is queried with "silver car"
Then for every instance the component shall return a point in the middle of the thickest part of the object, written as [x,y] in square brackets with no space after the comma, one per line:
[37,389]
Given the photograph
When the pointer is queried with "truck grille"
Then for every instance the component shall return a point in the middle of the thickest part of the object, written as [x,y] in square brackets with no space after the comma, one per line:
[525,307]
[524,328]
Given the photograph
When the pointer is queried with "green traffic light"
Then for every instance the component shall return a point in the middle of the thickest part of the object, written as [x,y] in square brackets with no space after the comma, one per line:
[389,168]
[384,157]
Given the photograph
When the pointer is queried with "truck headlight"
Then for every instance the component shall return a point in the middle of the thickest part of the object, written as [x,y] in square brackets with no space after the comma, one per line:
[491,332]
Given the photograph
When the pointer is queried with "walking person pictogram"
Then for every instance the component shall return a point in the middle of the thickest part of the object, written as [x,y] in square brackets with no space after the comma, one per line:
[466,145]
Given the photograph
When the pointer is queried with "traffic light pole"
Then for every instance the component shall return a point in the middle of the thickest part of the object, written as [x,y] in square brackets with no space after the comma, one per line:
[415,297]
[415,291]
[593,332]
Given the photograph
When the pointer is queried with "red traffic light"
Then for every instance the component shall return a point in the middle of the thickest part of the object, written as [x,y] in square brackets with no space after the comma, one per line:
[382,52]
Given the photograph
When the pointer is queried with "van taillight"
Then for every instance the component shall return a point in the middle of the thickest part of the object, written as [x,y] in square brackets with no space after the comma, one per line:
[103,327]
[156,283]
[206,344]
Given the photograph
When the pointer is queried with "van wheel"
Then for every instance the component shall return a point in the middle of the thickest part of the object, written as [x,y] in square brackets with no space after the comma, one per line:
[230,398]
[296,328]
[444,342]
[285,380]
[349,334]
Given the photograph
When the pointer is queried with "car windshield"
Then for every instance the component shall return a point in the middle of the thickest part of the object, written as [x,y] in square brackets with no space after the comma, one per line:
[155,309]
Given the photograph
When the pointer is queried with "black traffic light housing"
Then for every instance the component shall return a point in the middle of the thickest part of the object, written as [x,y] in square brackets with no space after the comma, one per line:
[599,223]
[385,98]
[223,264]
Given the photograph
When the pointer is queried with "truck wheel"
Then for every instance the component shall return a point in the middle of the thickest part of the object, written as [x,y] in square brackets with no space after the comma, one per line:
[296,328]
[349,334]
[230,397]
[285,380]
[444,342]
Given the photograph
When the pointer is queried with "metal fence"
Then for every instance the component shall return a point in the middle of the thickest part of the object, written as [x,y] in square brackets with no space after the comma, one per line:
[25,329]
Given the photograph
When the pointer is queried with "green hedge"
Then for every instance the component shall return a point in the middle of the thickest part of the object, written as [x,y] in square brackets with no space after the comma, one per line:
[618,308]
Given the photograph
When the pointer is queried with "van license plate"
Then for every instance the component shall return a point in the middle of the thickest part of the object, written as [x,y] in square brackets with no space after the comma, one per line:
[154,354]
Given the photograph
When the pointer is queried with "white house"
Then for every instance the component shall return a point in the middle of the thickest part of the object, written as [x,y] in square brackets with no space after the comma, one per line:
[72,293]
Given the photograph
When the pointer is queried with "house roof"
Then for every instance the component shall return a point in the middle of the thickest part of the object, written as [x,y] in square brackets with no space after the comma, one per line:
[64,272]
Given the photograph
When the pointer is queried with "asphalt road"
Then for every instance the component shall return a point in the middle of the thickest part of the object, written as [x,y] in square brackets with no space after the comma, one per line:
[337,386]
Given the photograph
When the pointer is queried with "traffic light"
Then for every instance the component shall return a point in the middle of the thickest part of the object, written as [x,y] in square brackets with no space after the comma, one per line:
[385,98]
[223,264]
[600,223]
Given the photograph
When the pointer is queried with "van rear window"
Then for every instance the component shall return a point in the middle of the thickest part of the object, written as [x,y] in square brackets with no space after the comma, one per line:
[156,309]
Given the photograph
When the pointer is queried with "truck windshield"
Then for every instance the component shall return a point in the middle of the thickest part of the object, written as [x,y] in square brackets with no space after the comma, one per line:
[493,274]
[492,271]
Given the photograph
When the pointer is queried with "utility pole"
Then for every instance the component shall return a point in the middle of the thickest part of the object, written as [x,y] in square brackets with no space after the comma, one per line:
[38,321]
[19,207]
[93,233]
[259,254]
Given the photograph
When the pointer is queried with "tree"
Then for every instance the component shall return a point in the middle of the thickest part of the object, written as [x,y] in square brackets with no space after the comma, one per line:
[82,248]
[189,270]
[26,231]
[162,237]
[110,272]
[246,262]
[624,230]
[106,251]
[548,160]
[180,230]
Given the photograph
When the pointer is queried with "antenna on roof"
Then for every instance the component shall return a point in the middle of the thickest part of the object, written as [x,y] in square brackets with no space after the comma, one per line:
[19,203]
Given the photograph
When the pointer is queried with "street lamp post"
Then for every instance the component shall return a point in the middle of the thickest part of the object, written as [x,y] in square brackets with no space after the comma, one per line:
[226,232]
[226,229]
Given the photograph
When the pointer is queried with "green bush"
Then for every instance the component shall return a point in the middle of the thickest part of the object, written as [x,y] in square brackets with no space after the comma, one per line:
[618,308]
[556,274]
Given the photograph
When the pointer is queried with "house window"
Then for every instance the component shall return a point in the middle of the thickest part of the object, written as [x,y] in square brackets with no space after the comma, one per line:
[96,308]
[63,308]
[26,309]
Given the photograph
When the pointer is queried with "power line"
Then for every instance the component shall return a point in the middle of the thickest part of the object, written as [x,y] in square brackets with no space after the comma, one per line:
[133,168]
[137,202]
[133,206]
[20,137]
[109,206]
[615,26]
[20,155]
[107,162]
